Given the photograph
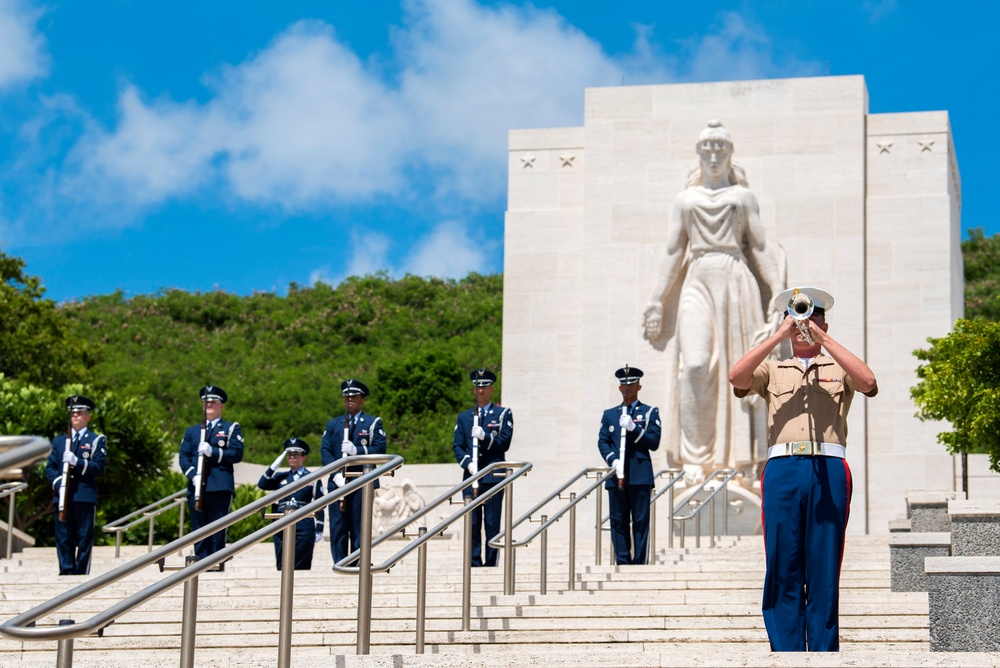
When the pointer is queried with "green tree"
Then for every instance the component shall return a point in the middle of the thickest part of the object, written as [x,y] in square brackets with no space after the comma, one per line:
[960,383]
[981,255]
[137,463]
[35,337]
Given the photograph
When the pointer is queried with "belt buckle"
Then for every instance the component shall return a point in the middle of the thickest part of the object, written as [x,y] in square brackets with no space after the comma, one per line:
[799,448]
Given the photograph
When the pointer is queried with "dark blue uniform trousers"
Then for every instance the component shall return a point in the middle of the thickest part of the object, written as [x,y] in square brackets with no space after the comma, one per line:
[75,538]
[305,541]
[216,505]
[806,501]
[489,514]
[629,506]
[345,527]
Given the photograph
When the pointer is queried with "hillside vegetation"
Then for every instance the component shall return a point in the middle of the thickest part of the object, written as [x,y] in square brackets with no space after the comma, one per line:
[282,359]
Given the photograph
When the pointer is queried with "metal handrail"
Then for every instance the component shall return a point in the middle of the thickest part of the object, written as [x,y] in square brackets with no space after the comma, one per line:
[23,451]
[21,627]
[18,452]
[148,514]
[601,474]
[700,504]
[651,543]
[9,489]
[510,471]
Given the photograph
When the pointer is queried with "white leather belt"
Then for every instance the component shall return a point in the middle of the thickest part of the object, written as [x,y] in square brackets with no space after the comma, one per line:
[805,448]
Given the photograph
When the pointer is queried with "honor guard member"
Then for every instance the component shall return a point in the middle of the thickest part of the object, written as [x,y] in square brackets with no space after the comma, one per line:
[364,435]
[628,502]
[85,459]
[222,447]
[493,427]
[806,483]
[309,531]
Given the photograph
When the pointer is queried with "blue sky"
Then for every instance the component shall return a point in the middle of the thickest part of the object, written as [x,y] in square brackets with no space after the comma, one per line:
[246,145]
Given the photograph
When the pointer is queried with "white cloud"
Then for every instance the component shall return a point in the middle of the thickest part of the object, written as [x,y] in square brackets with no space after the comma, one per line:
[879,9]
[447,252]
[305,124]
[22,48]
[738,49]
[368,254]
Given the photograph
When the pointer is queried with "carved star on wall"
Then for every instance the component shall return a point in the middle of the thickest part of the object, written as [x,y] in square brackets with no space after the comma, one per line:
[926,145]
[884,147]
[527,161]
[567,160]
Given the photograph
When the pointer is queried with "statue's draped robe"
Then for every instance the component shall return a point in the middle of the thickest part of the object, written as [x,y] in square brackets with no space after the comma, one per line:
[718,286]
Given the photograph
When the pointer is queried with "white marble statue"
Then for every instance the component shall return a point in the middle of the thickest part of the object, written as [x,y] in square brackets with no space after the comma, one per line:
[717,275]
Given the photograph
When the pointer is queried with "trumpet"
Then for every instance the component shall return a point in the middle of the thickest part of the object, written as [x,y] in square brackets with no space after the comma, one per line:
[800,308]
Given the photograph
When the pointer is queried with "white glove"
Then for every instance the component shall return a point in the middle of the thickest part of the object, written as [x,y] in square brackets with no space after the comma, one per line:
[620,469]
[473,468]
[338,479]
[277,462]
[626,422]
[70,458]
[196,481]
[348,448]
[477,432]
[319,536]
[204,449]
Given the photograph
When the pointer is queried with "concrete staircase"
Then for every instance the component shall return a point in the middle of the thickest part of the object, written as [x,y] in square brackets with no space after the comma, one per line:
[695,607]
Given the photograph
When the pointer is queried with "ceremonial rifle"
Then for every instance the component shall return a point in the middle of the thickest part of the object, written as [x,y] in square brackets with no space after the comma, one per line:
[66,471]
[620,468]
[201,473]
[474,470]
[347,437]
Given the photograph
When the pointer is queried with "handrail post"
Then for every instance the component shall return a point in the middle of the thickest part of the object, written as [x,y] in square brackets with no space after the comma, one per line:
[598,522]
[64,648]
[651,542]
[287,595]
[421,591]
[365,567]
[10,526]
[118,544]
[545,557]
[725,509]
[572,542]
[683,526]
[508,539]
[466,569]
[711,522]
[697,529]
[152,527]
[670,514]
[189,617]
[180,522]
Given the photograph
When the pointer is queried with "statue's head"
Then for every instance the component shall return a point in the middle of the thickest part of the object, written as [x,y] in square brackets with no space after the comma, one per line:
[715,151]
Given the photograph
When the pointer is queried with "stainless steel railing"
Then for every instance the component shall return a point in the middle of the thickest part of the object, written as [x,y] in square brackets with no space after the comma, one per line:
[16,453]
[599,475]
[698,505]
[509,471]
[148,514]
[22,627]
[9,489]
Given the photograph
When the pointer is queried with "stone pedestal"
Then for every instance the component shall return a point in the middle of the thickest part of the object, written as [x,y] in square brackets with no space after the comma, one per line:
[907,552]
[928,510]
[975,528]
[964,597]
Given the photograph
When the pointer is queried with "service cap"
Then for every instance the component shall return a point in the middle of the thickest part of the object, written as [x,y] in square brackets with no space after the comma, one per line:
[213,392]
[822,301]
[628,375]
[481,377]
[79,403]
[352,387]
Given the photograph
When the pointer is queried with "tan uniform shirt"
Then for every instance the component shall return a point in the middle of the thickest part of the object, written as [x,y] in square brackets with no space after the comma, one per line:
[804,405]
